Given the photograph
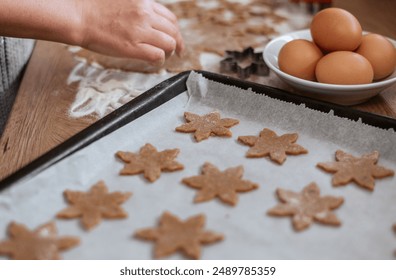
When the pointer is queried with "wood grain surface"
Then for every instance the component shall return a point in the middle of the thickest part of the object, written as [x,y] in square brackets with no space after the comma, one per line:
[39,120]
[374,16]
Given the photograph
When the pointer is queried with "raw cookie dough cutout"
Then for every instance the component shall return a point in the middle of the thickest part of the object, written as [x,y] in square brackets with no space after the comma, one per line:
[207,125]
[150,162]
[222,184]
[42,243]
[306,207]
[174,235]
[268,143]
[94,205]
[361,170]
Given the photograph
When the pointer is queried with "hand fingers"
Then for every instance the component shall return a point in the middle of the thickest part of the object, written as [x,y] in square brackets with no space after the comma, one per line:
[170,27]
[163,25]
[161,40]
[165,12]
[156,44]
[149,53]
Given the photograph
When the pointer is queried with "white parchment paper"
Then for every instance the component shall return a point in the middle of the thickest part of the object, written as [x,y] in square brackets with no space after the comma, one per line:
[366,216]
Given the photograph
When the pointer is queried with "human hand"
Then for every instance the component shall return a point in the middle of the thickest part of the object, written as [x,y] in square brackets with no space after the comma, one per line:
[140,29]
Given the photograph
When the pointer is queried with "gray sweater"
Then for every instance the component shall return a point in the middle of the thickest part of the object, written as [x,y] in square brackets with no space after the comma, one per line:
[14,54]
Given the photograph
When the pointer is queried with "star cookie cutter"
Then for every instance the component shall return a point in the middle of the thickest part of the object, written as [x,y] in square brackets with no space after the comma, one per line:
[233,60]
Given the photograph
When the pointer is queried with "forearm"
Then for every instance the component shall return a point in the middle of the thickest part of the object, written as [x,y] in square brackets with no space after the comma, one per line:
[53,20]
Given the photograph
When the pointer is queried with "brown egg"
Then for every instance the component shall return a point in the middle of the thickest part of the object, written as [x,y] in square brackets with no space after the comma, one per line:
[335,29]
[298,58]
[344,68]
[381,54]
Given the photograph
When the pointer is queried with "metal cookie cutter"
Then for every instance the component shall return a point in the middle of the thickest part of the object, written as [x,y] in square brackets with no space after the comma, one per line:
[233,60]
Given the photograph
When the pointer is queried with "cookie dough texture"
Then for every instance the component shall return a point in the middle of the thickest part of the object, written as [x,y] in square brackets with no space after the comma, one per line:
[361,170]
[150,162]
[42,243]
[94,205]
[268,143]
[207,125]
[173,234]
[307,206]
[222,184]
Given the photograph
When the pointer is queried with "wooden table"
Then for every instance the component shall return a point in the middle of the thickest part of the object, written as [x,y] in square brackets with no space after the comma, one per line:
[39,120]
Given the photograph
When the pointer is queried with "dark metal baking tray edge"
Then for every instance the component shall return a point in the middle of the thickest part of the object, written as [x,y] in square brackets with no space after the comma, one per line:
[162,93]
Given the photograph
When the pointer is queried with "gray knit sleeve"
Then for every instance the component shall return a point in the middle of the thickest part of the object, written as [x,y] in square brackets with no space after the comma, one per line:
[14,54]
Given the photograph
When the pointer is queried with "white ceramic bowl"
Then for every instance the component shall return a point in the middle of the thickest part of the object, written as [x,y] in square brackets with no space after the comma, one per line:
[340,94]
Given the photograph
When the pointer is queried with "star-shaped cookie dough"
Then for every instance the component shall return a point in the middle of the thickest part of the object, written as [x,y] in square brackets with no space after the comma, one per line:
[94,205]
[362,170]
[272,145]
[150,162]
[306,207]
[174,235]
[42,243]
[223,184]
[207,125]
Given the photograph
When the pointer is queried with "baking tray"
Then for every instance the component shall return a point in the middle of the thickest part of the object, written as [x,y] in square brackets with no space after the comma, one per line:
[164,92]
